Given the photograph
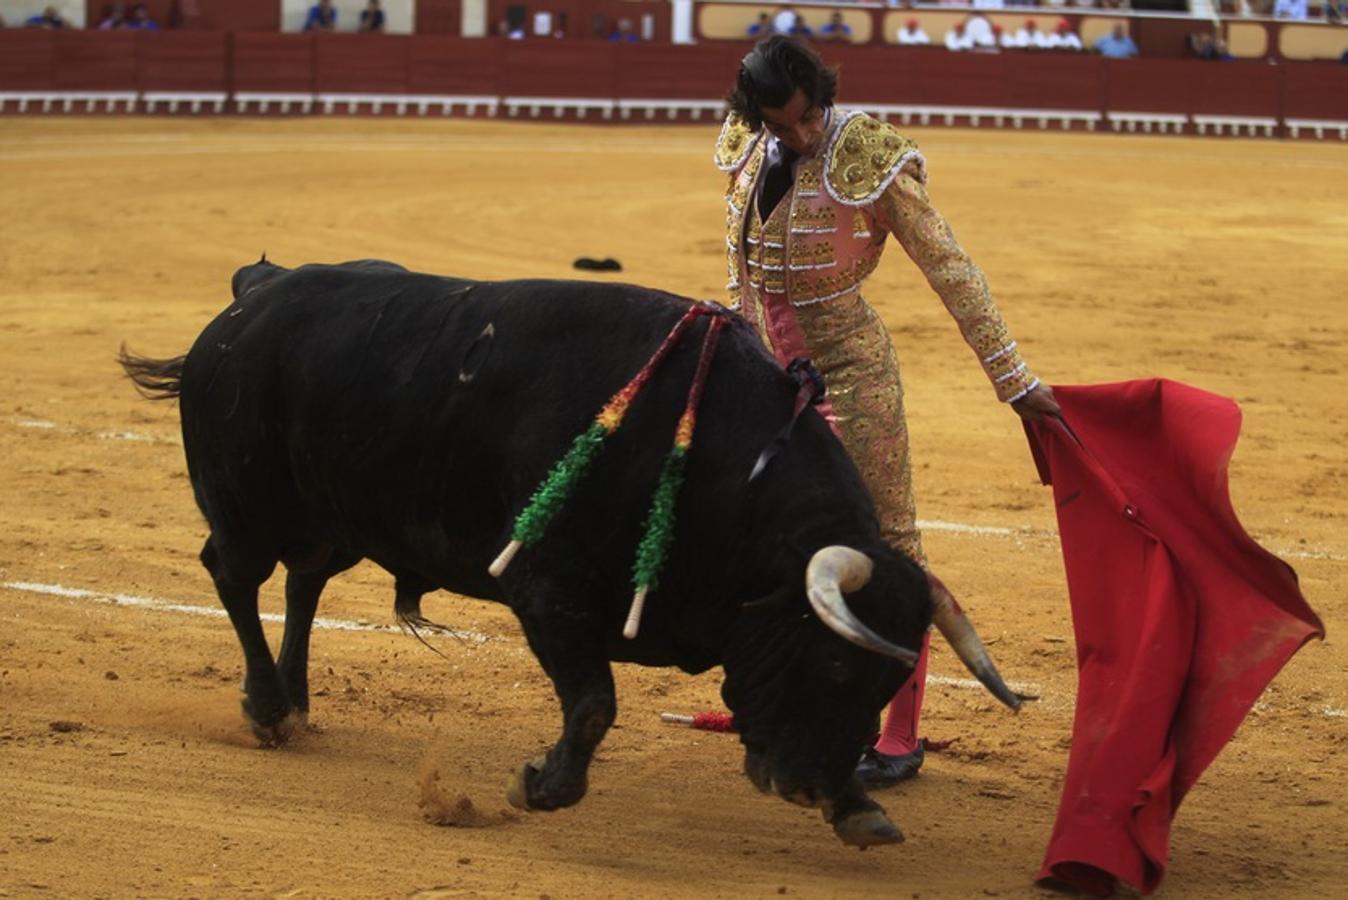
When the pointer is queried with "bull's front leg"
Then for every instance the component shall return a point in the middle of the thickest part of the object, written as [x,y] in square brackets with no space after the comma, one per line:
[858,820]
[568,641]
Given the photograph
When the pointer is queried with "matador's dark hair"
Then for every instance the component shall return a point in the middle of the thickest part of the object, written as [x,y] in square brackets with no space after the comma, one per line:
[770,74]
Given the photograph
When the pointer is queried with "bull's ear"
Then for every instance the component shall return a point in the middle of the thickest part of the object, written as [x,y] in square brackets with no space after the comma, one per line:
[778,599]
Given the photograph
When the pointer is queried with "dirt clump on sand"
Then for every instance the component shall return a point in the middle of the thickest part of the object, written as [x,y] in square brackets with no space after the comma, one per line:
[453,810]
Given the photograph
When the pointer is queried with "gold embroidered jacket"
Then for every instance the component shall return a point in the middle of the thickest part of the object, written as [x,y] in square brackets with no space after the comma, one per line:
[868,182]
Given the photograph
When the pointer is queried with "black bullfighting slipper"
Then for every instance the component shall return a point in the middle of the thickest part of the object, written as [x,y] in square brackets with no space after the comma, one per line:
[877,770]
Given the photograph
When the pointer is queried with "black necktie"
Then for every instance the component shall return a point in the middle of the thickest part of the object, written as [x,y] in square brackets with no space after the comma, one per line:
[776,181]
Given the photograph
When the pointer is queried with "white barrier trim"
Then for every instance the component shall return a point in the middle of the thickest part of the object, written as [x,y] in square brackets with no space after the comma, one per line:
[1319,126]
[1251,123]
[559,105]
[194,99]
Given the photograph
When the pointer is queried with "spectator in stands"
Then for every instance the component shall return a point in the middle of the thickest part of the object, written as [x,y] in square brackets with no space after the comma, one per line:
[140,19]
[512,32]
[1029,37]
[1208,45]
[1117,44]
[792,23]
[48,18]
[624,33]
[979,33]
[1064,38]
[760,29]
[912,35]
[836,29]
[1336,10]
[1291,9]
[322,17]
[956,39]
[371,19]
[114,16]
[1004,41]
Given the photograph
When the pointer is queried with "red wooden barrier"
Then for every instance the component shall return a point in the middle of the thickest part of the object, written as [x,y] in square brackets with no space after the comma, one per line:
[1149,85]
[450,65]
[1315,90]
[665,71]
[38,60]
[1244,88]
[362,63]
[1194,86]
[875,74]
[27,59]
[964,79]
[273,62]
[545,67]
[1053,81]
[94,60]
[183,60]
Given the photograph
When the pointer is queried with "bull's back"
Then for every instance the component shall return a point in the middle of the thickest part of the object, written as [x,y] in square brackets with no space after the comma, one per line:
[407,417]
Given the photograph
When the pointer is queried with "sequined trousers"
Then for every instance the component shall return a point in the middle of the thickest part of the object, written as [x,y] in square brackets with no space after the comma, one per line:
[850,346]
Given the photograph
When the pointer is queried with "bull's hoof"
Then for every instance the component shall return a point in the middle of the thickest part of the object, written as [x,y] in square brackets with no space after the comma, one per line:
[866,829]
[517,792]
[279,732]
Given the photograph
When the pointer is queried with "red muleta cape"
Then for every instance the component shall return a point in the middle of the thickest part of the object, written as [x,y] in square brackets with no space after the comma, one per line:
[1181,619]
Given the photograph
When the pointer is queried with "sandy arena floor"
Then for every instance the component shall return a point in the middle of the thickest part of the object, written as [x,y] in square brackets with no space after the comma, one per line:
[1216,262]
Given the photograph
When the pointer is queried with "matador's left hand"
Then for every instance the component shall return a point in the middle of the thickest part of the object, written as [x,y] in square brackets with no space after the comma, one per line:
[1037,405]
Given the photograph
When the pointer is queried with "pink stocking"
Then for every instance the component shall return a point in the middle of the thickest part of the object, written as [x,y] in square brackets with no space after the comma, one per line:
[900,732]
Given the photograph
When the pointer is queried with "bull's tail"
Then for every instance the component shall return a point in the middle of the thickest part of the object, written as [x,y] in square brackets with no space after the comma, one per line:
[155,379]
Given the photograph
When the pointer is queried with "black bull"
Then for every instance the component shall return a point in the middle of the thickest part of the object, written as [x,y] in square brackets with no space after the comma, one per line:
[338,413]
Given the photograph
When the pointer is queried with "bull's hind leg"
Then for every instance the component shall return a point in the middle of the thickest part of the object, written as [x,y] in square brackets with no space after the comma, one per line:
[303,588]
[569,642]
[236,581]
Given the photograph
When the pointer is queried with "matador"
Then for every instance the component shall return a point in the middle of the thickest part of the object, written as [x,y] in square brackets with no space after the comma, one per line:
[813,194]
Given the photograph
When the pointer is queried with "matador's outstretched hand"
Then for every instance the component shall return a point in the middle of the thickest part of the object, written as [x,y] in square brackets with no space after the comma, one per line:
[1037,405]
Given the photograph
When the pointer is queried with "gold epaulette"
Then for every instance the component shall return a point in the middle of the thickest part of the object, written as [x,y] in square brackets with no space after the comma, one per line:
[734,144]
[865,157]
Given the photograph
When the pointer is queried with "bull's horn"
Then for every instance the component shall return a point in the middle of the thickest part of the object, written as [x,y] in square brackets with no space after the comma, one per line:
[832,571]
[959,632]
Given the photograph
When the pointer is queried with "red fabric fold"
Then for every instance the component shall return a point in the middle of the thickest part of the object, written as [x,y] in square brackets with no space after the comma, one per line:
[1181,619]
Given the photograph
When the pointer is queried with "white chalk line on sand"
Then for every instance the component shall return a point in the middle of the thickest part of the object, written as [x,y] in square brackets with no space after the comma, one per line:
[157,605]
[1026,689]
[191,609]
[44,425]
[924,524]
